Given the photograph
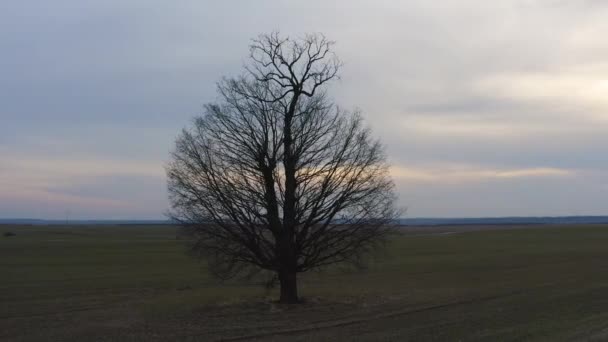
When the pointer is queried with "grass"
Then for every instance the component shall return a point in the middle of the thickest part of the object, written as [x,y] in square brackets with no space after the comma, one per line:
[136,283]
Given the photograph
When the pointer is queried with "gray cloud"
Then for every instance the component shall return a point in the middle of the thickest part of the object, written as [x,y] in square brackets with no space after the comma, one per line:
[487,85]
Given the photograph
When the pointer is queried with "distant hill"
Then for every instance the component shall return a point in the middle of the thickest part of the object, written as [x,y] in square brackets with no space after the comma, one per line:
[504,220]
[402,221]
[38,222]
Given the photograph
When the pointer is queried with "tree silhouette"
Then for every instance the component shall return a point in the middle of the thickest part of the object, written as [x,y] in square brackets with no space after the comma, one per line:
[274,176]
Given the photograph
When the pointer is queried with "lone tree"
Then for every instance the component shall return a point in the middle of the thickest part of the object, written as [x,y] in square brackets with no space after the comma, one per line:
[274,176]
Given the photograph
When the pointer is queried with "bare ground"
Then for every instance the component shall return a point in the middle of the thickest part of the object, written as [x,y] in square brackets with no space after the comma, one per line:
[470,283]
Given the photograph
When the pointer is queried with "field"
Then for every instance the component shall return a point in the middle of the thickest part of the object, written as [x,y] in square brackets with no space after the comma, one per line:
[447,284]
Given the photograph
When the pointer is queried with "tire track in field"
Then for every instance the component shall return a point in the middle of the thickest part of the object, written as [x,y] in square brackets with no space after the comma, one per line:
[392,314]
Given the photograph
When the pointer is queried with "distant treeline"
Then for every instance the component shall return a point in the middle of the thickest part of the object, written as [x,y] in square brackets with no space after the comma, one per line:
[504,220]
[402,221]
[38,222]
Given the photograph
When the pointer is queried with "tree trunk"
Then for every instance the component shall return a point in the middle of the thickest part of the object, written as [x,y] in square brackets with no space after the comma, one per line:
[289,287]
[287,273]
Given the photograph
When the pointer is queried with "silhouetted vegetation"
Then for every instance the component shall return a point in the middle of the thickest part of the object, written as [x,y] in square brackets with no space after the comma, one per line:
[274,176]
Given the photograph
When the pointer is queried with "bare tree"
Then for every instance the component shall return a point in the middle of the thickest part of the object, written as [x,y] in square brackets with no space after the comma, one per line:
[276,177]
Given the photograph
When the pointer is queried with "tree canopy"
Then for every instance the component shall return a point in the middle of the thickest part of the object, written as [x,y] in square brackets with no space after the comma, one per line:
[275,176]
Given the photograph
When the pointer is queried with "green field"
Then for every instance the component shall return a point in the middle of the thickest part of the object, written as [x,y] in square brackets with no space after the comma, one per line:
[136,284]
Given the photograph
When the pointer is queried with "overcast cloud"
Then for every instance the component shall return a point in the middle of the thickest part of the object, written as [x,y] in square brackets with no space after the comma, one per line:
[487,108]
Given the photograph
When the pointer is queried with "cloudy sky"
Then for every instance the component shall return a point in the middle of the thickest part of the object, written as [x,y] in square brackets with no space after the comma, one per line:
[487,108]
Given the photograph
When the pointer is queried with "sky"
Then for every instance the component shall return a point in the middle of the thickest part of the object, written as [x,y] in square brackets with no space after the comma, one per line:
[486,108]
